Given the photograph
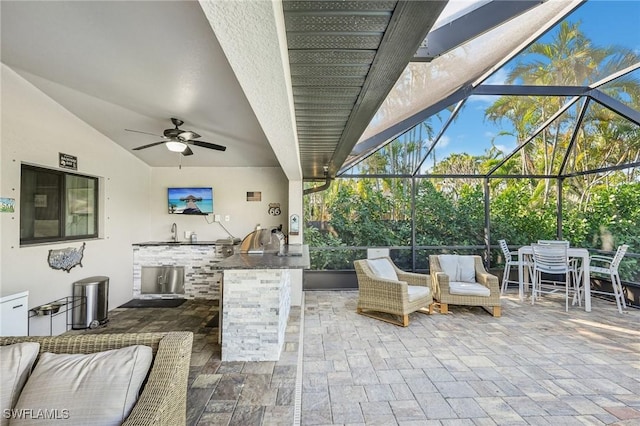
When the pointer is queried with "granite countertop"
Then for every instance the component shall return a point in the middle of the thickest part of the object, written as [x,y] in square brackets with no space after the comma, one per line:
[178,243]
[296,257]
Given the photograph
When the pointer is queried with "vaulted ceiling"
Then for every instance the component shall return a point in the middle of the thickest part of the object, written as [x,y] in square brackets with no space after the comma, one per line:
[292,83]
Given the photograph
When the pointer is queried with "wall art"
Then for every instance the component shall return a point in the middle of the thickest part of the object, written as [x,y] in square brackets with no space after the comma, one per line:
[66,258]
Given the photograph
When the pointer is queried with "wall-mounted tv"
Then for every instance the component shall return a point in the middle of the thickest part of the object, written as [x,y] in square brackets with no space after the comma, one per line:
[190,200]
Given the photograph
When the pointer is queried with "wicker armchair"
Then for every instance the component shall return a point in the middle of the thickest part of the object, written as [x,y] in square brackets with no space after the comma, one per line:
[444,298]
[163,399]
[399,298]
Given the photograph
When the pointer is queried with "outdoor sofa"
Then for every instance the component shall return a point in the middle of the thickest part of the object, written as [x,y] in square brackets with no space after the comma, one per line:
[162,398]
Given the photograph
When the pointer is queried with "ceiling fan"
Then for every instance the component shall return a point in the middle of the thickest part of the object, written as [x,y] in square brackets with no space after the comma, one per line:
[178,140]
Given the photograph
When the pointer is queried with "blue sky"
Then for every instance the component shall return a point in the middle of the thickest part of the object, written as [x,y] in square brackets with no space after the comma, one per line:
[604,22]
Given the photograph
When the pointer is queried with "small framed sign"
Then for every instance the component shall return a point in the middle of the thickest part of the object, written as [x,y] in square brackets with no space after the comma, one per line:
[254,196]
[294,224]
[67,161]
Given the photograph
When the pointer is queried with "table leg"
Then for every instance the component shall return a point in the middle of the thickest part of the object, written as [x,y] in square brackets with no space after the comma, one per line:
[586,283]
[520,277]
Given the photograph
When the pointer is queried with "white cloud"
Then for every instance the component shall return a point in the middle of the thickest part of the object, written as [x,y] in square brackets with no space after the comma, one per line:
[503,148]
[444,141]
[499,77]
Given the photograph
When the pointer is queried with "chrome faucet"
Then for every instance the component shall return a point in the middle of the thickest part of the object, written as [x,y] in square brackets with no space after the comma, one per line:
[174,232]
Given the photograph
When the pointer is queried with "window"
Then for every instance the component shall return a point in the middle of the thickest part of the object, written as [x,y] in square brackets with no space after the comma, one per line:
[57,206]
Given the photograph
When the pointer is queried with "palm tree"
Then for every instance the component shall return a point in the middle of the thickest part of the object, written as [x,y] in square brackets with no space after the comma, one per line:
[568,59]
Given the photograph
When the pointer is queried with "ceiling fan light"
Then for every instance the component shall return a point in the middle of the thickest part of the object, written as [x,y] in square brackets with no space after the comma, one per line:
[176,146]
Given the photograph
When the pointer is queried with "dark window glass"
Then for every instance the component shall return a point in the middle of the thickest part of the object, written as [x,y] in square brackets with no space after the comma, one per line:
[57,206]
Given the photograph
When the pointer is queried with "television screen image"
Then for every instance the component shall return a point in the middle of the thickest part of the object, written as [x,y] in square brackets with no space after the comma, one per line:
[190,200]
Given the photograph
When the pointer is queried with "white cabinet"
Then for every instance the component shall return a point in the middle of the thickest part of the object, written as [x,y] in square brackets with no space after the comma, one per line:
[14,314]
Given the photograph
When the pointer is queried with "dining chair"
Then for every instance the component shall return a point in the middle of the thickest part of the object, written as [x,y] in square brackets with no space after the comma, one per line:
[511,259]
[561,242]
[607,265]
[574,265]
[552,259]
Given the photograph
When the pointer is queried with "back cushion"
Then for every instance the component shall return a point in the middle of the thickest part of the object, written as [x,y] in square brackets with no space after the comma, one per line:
[449,265]
[458,268]
[94,389]
[15,366]
[466,269]
[383,268]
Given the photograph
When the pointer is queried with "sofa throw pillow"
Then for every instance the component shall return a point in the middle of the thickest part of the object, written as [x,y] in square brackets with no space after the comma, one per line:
[466,269]
[383,268]
[94,389]
[449,265]
[16,362]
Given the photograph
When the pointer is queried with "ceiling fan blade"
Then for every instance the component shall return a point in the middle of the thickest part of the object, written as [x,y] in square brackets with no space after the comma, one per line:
[145,133]
[187,151]
[209,145]
[149,145]
[188,135]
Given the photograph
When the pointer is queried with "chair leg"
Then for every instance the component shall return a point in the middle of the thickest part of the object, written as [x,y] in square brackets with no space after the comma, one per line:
[444,308]
[505,278]
[617,292]
[428,310]
[497,311]
[567,283]
[403,321]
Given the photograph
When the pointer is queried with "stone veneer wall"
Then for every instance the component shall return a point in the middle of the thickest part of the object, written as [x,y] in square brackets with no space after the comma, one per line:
[201,280]
[256,304]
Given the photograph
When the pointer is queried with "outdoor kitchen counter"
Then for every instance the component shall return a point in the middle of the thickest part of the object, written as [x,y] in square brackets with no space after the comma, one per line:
[256,300]
[178,243]
[296,257]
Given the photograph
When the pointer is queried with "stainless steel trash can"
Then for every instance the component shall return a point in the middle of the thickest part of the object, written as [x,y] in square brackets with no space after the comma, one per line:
[90,302]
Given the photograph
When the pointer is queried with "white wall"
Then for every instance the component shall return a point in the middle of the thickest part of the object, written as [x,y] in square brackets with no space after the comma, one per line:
[134,199]
[230,186]
[34,130]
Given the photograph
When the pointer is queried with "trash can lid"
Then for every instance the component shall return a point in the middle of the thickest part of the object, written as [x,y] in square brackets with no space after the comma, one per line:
[92,280]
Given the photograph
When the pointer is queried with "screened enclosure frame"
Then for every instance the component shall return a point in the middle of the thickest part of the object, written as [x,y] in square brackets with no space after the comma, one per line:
[589,93]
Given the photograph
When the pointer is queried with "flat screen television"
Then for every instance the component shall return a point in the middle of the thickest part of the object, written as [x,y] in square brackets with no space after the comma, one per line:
[190,200]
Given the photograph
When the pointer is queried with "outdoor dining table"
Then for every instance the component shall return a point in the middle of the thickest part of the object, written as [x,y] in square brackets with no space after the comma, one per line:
[574,252]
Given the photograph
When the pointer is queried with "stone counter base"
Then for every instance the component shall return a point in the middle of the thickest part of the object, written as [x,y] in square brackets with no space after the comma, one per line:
[256,305]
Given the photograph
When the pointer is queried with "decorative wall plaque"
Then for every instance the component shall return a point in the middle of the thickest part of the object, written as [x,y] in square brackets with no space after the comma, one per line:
[66,258]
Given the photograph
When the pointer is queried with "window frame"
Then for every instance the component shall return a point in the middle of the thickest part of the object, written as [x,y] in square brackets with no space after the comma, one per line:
[62,210]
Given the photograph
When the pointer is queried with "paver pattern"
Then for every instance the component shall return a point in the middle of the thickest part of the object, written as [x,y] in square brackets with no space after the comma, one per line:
[535,365]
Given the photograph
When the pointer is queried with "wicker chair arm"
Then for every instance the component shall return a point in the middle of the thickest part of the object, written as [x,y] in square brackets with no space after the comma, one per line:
[412,278]
[440,283]
[488,280]
[163,400]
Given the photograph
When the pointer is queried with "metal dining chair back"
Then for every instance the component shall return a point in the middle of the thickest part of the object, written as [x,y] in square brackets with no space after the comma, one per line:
[551,259]
[510,259]
[609,266]
[559,242]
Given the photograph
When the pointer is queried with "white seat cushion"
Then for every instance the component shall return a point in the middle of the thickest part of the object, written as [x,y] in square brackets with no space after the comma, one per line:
[468,289]
[93,389]
[15,366]
[417,291]
[382,268]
